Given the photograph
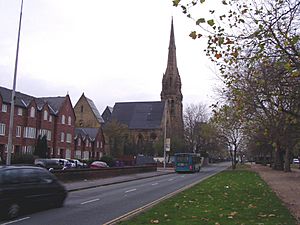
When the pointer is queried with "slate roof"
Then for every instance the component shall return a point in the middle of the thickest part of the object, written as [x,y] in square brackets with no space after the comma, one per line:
[86,131]
[95,110]
[107,113]
[139,115]
[23,100]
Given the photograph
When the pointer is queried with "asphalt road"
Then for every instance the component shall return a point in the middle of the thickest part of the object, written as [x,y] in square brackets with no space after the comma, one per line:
[103,204]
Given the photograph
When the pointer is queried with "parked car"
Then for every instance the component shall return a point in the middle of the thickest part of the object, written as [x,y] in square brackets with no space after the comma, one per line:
[295,161]
[98,164]
[76,163]
[23,188]
[53,163]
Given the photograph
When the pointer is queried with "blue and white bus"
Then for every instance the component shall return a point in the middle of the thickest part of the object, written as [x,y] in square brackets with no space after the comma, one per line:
[187,162]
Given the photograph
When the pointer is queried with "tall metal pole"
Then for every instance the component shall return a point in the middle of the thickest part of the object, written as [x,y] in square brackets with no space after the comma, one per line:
[12,103]
[165,133]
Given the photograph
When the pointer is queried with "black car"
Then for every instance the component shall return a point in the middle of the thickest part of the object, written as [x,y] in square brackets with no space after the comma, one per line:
[24,188]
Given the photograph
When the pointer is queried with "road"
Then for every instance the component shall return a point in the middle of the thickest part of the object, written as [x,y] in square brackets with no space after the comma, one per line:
[103,204]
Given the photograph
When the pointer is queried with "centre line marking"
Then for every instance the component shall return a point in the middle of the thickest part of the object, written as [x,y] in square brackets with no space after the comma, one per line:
[15,221]
[93,200]
[170,179]
[154,184]
[131,190]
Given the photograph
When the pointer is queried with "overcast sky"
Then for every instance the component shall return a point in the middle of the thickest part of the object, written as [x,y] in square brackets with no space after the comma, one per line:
[113,51]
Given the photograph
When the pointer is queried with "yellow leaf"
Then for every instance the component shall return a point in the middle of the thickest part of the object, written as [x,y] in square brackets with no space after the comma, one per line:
[154,221]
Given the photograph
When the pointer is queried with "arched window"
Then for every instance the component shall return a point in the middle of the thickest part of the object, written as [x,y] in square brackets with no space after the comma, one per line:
[32,112]
[69,120]
[63,119]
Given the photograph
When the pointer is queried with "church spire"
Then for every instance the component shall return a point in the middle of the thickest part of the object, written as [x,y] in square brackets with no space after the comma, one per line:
[171,91]
[172,61]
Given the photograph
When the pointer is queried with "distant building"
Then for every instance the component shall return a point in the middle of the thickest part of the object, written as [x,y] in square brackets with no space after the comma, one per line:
[171,91]
[50,116]
[107,113]
[89,143]
[147,121]
[87,114]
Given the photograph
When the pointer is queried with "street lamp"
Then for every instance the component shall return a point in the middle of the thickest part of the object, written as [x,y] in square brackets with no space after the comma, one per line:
[12,104]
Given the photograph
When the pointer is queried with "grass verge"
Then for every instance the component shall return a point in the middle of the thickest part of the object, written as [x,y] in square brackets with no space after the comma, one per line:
[230,197]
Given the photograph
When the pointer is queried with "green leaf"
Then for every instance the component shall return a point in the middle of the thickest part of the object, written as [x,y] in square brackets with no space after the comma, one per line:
[201,20]
[202,1]
[211,22]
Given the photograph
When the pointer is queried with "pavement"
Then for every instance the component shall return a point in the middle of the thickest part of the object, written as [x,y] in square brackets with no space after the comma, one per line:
[86,184]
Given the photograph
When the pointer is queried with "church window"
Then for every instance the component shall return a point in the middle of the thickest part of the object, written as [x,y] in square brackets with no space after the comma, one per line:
[81,109]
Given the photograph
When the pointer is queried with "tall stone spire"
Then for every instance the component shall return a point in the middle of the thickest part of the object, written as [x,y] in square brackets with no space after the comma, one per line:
[171,90]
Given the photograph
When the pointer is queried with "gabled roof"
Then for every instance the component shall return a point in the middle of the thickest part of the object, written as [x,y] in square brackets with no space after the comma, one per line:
[107,113]
[23,100]
[95,110]
[87,131]
[139,115]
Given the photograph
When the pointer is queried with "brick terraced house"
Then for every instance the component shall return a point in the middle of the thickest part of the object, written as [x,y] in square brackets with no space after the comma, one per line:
[50,116]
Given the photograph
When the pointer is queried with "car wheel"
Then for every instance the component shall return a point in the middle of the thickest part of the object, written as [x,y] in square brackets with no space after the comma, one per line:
[13,210]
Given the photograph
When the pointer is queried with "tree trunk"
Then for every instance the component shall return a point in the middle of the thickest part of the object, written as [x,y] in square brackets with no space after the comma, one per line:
[278,160]
[287,165]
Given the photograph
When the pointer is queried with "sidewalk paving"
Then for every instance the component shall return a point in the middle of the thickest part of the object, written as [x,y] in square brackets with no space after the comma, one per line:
[85,184]
[286,185]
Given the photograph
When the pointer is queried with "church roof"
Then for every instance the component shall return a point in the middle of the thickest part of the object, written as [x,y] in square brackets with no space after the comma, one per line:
[95,110]
[139,115]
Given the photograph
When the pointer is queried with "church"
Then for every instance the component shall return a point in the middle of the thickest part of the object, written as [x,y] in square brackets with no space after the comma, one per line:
[150,123]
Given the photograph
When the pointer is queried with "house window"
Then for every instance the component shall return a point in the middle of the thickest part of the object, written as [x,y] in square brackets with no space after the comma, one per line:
[62,137]
[63,119]
[68,153]
[18,131]
[81,109]
[97,144]
[32,112]
[49,135]
[29,132]
[69,138]
[101,144]
[4,108]
[50,118]
[87,143]
[20,111]
[45,115]
[79,142]
[69,120]
[2,129]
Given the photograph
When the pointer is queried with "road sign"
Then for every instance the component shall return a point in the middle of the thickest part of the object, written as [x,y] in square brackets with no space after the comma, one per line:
[168,144]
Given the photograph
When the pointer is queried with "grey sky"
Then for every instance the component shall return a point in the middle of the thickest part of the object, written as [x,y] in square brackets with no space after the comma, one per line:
[112,51]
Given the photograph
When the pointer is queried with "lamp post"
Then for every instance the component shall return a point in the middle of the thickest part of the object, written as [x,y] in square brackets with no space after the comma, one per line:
[12,104]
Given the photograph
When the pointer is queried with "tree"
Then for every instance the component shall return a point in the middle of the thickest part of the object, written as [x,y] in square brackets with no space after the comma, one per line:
[193,116]
[41,149]
[256,45]
[229,129]
[117,135]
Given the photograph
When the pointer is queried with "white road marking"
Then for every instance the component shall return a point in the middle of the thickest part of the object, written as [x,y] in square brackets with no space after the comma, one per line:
[183,176]
[93,200]
[131,190]
[154,184]
[15,221]
[171,179]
